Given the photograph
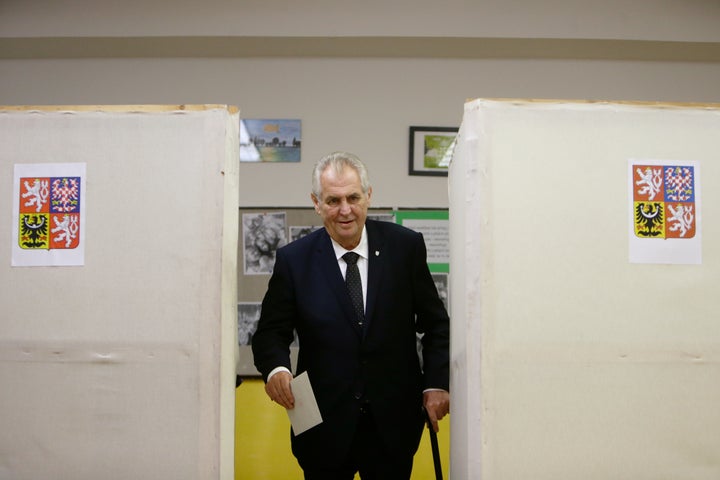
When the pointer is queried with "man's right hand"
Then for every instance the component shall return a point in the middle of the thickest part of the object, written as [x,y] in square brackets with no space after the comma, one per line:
[279,391]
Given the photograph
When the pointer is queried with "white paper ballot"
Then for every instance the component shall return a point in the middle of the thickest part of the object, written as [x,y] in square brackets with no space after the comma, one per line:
[306,413]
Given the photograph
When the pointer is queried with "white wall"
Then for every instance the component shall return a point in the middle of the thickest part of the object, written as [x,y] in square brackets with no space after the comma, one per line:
[692,20]
[361,105]
[357,74]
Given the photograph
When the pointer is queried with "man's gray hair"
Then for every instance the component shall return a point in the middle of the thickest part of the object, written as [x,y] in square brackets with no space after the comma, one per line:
[338,161]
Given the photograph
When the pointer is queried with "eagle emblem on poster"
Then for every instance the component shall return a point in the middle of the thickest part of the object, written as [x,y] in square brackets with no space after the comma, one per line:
[49,213]
[664,201]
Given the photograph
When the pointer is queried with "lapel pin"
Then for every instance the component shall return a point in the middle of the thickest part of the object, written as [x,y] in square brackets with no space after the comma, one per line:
[377,253]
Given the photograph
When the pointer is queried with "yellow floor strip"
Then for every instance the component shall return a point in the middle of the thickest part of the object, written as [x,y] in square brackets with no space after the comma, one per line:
[262,440]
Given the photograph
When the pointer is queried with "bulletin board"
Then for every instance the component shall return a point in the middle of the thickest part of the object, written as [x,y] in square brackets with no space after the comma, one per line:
[574,354]
[118,363]
[264,230]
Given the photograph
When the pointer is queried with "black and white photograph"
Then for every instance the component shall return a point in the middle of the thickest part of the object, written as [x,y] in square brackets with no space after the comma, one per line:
[382,217]
[263,234]
[297,231]
[248,316]
[443,287]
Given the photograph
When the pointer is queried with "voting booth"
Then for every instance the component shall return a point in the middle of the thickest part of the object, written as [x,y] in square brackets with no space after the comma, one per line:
[119,290]
[586,264]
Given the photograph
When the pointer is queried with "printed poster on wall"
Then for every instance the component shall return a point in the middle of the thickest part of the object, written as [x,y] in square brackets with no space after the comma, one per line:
[665,220]
[48,215]
[435,227]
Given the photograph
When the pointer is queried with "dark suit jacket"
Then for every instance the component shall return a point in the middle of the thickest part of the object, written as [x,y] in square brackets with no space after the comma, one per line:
[346,365]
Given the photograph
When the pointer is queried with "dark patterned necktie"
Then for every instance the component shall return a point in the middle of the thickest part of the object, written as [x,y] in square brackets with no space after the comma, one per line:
[354,285]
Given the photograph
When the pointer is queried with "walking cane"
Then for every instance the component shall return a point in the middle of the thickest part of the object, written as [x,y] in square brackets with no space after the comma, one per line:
[435,449]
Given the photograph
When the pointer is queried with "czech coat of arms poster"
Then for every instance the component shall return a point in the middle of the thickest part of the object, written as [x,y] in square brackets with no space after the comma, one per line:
[49,214]
[665,211]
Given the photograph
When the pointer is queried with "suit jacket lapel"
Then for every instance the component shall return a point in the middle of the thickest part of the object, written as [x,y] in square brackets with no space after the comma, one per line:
[376,264]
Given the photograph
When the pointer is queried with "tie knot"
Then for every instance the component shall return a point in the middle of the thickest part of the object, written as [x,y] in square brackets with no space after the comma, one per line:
[351,258]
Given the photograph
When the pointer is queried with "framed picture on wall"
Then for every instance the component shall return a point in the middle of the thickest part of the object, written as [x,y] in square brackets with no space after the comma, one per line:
[270,140]
[430,150]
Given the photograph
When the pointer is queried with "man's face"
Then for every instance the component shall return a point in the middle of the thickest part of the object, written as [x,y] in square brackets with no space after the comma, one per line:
[343,206]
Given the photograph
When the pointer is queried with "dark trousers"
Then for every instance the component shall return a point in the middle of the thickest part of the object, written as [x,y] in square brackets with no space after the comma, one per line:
[366,456]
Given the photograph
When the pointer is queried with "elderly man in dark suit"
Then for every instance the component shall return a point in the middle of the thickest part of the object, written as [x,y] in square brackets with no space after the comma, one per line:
[358,342]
